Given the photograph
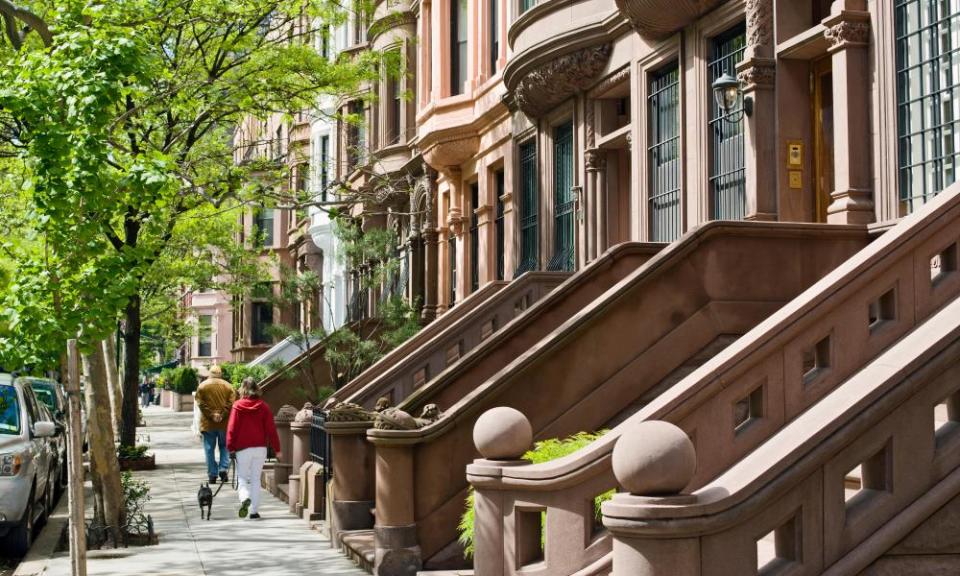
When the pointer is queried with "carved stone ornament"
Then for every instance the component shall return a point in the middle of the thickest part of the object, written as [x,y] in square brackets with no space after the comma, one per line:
[658,19]
[848,33]
[395,419]
[595,159]
[286,414]
[350,412]
[757,73]
[451,150]
[305,415]
[759,22]
[546,86]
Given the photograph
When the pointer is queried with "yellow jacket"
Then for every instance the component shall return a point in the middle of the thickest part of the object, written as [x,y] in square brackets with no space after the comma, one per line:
[214,397]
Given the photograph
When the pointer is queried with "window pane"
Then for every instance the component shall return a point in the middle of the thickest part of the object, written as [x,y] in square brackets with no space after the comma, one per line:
[529,210]
[498,178]
[474,237]
[205,336]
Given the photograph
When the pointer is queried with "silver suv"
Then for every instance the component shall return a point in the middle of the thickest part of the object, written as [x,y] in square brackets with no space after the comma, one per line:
[27,464]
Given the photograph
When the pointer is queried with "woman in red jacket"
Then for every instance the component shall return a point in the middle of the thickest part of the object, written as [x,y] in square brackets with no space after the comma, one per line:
[249,432]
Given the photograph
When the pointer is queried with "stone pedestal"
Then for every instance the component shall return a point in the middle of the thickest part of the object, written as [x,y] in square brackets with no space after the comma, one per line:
[397,549]
[300,452]
[352,485]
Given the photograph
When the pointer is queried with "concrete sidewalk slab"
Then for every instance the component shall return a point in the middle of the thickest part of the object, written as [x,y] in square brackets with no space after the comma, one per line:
[279,544]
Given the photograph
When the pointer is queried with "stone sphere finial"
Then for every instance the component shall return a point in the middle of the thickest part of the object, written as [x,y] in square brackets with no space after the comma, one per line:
[654,458]
[502,433]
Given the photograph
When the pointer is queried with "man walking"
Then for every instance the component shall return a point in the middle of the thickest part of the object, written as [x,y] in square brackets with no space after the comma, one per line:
[214,398]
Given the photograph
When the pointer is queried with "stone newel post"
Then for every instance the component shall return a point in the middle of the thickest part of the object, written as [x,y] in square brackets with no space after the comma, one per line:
[502,435]
[281,470]
[653,461]
[300,432]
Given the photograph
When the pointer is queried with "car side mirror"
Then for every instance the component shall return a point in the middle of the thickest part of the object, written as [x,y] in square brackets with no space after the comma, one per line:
[44,429]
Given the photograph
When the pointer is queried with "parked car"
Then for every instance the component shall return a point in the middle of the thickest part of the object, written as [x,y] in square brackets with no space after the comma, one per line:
[52,395]
[27,464]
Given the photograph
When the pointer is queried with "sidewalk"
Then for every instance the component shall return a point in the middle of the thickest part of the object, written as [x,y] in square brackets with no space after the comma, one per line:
[278,544]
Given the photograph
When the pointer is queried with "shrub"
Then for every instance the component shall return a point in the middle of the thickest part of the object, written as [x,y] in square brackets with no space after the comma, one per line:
[235,372]
[543,451]
[131,452]
[182,380]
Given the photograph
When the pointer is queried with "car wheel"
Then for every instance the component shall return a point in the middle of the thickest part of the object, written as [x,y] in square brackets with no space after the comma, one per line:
[20,537]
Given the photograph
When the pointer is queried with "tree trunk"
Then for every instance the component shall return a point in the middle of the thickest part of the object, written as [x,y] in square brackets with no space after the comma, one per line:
[131,373]
[113,381]
[103,452]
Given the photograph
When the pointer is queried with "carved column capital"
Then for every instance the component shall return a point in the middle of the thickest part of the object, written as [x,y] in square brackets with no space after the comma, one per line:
[848,29]
[757,73]
[595,159]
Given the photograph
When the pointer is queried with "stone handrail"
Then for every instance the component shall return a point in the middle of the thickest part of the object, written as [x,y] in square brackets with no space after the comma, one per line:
[795,486]
[713,282]
[427,354]
[786,364]
[401,353]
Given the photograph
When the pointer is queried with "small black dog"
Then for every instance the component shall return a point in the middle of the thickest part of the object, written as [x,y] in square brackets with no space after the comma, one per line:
[205,496]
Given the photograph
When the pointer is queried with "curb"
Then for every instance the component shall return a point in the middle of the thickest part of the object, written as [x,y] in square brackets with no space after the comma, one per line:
[44,547]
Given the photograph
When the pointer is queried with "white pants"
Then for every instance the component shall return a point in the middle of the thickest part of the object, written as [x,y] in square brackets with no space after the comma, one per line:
[249,466]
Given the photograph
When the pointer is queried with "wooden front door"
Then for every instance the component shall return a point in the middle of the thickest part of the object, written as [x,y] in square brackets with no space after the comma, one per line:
[822,98]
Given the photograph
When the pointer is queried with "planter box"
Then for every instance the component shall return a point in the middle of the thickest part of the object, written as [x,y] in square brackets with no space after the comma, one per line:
[182,402]
[166,398]
[147,462]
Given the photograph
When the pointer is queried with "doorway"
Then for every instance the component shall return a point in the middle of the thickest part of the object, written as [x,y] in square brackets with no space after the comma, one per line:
[822,98]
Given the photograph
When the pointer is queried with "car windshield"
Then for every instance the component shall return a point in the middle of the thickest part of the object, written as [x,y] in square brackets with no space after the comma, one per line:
[44,392]
[9,411]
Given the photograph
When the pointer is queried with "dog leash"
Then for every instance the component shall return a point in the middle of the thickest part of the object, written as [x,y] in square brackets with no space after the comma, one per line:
[218,490]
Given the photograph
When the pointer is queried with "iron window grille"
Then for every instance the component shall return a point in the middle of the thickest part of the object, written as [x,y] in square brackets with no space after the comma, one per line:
[663,153]
[727,166]
[499,225]
[529,210]
[564,201]
[474,237]
[928,98]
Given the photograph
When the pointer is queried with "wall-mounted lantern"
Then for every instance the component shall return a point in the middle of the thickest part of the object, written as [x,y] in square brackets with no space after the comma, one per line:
[727,93]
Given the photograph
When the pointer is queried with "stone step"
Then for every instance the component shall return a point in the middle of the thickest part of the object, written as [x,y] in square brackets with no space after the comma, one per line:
[359,546]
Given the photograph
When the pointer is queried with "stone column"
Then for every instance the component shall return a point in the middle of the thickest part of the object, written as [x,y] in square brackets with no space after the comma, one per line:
[300,453]
[600,199]
[757,73]
[431,248]
[653,461]
[455,221]
[352,490]
[592,163]
[397,548]
[848,31]
[502,435]
[282,468]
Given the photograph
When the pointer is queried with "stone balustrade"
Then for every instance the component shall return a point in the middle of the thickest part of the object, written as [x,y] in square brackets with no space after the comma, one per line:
[832,492]
[580,371]
[748,393]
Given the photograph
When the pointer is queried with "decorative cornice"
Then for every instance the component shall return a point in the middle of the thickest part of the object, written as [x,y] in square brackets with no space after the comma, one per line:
[546,86]
[658,19]
[609,82]
[445,152]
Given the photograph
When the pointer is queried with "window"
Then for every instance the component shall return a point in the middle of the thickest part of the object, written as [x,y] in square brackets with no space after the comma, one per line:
[500,240]
[205,336]
[474,237]
[458,46]
[494,36]
[355,135]
[526,5]
[663,153]
[393,112]
[324,166]
[563,224]
[928,98]
[529,210]
[359,23]
[727,178]
[278,143]
[9,411]
[325,41]
[452,248]
[263,226]
[262,323]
